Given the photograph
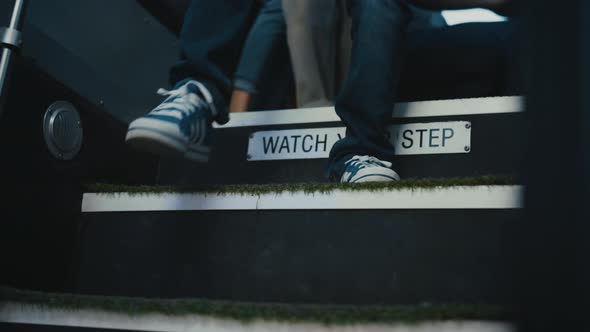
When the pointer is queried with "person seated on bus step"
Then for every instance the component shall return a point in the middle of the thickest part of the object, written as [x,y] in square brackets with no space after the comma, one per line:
[226,47]
[366,99]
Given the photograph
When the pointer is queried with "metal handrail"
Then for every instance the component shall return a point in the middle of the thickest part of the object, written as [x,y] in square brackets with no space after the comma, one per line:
[10,41]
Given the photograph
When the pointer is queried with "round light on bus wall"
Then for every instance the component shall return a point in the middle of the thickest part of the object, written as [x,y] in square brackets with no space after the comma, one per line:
[62,130]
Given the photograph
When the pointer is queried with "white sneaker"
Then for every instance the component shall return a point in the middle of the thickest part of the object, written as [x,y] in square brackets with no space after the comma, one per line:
[368,169]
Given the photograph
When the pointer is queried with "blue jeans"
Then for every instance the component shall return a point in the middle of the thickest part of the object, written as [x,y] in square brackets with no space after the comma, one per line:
[216,34]
[430,61]
[365,102]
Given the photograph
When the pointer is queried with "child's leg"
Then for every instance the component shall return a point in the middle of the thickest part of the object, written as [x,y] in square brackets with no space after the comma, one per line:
[240,100]
[212,36]
[263,42]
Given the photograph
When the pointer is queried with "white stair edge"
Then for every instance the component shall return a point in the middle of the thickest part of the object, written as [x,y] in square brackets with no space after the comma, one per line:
[458,197]
[29,314]
[435,108]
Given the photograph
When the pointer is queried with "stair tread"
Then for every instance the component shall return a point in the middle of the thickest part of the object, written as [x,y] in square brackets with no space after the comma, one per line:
[249,311]
[460,193]
[441,138]
[256,189]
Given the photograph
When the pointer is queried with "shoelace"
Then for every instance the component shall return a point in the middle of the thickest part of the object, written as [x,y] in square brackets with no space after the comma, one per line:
[367,161]
[181,93]
[193,99]
[167,93]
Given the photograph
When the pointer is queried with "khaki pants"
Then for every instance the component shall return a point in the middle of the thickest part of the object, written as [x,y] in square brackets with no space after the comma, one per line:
[319,38]
[318,34]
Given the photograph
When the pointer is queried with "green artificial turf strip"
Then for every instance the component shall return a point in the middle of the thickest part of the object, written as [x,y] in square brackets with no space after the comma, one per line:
[258,189]
[247,312]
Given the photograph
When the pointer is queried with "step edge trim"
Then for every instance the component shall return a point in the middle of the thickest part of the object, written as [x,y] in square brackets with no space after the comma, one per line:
[459,197]
[421,109]
[85,318]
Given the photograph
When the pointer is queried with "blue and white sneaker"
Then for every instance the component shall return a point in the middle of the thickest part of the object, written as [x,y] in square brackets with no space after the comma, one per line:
[180,125]
[368,169]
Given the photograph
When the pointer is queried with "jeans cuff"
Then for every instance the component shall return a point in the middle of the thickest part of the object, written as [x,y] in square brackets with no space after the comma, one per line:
[245,85]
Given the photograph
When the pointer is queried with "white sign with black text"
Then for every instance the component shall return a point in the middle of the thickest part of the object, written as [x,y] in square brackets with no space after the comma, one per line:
[432,138]
[408,139]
